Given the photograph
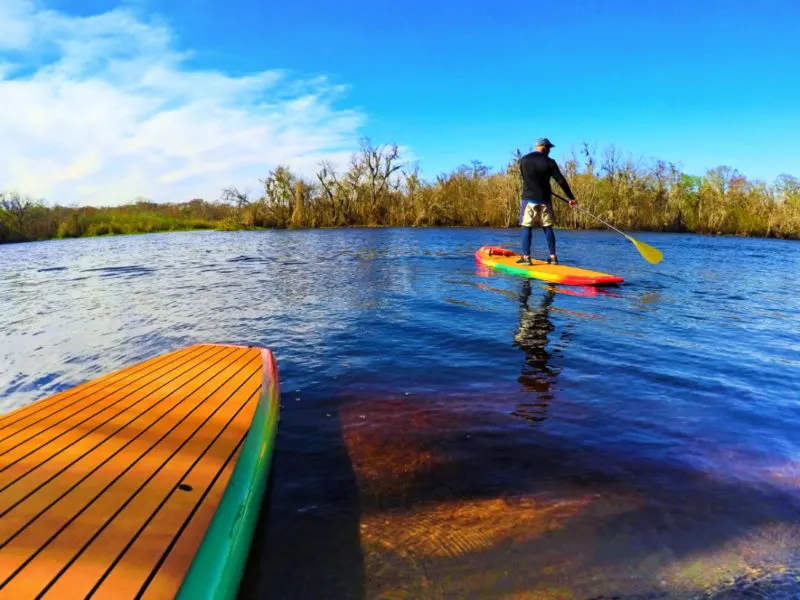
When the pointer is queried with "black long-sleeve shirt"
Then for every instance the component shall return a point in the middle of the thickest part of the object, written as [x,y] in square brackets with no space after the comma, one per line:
[537,169]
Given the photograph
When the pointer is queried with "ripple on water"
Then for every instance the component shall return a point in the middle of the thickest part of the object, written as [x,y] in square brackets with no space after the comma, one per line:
[448,431]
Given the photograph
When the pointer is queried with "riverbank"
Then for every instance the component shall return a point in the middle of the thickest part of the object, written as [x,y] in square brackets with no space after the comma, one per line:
[211,227]
[110,230]
[379,190]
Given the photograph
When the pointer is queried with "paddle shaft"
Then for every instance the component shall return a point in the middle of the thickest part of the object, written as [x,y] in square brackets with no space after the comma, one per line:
[650,254]
[594,216]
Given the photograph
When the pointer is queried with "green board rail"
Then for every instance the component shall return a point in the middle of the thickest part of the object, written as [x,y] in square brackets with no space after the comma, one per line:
[218,566]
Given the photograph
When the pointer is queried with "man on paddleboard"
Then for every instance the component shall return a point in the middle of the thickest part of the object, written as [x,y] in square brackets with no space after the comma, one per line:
[536,206]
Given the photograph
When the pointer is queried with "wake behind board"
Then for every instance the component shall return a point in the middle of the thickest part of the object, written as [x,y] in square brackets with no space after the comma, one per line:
[144,483]
[505,260]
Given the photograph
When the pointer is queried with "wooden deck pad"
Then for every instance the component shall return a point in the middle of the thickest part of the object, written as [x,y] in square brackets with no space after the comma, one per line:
[106,489]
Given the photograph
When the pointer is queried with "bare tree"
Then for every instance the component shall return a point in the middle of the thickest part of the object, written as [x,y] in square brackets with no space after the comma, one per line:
[612,163]
[232,195]
[279,187]
[788,187]
[720,178]
[352,183]
[412,187]
[588,152]
[329,182]
[380,163]
[18,209]
[279,195]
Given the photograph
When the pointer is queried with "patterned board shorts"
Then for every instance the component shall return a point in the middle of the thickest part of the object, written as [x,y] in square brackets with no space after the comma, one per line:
[533,214]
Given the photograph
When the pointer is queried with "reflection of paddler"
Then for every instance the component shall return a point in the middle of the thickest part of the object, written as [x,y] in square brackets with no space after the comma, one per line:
[531,338]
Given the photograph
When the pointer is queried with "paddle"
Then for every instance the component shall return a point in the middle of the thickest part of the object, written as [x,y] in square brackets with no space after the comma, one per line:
[650,254]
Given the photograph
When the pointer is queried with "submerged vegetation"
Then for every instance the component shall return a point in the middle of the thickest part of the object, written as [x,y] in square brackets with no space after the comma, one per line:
[379,189]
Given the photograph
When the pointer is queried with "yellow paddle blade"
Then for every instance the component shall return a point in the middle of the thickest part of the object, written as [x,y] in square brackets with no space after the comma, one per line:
[650,254]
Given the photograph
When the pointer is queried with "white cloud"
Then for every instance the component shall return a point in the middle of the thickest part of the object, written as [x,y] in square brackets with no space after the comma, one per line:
[101,109]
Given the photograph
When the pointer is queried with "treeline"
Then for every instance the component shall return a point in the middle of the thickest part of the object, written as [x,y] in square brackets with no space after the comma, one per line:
[379,189]
[25,219]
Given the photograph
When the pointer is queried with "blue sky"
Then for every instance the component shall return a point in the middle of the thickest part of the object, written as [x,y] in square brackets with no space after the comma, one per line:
[700,83]
[689,81]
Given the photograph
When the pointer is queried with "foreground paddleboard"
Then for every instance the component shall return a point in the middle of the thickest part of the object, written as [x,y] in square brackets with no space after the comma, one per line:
[505,260]
[144,483]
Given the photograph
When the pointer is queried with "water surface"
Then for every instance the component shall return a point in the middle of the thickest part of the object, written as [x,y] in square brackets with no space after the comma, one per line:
[452,432]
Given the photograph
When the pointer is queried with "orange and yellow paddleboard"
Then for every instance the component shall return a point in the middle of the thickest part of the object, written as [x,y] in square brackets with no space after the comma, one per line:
[144,483]
[505,260]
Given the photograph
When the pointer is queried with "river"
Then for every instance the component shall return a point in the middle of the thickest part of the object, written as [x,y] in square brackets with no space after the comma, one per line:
[452,432]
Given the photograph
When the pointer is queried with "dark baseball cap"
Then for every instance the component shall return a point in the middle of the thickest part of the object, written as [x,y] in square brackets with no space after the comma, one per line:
[545,142]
